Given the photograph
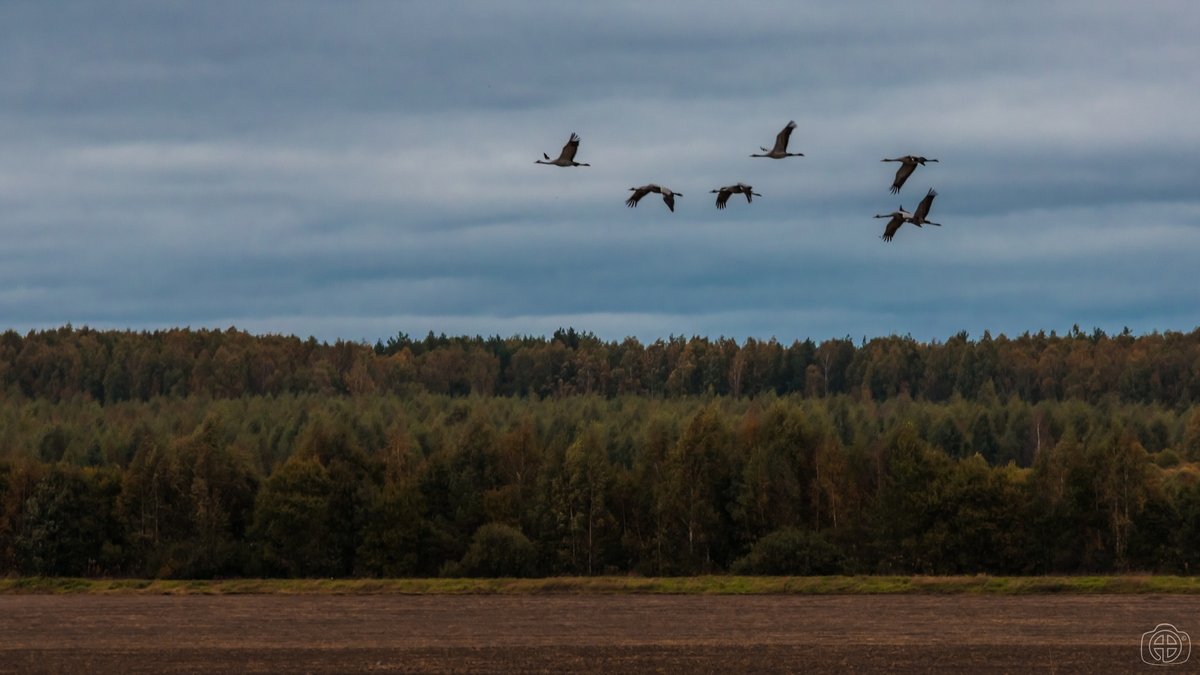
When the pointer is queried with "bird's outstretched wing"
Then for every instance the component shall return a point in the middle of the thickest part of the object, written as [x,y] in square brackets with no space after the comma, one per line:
[781,141]
[569,150]
[924,206]
[902,174]
[669,198]
[638,193]
[893,225]
[723,197]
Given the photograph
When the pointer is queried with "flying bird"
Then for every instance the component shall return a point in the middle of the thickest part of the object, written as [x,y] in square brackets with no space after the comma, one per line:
[918,216]
[781,143]
[740,188]
[567,156]
[908,164]
[898,218]
[639,192]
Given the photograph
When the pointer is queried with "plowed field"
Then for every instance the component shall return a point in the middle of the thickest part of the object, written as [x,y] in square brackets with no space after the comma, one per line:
[582,633]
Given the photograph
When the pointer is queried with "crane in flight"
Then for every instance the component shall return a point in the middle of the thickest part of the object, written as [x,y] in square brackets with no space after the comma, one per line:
[567,156]
[781,143]
[668,195]
[898,218]
[919,216]
[908,164]
[724,193]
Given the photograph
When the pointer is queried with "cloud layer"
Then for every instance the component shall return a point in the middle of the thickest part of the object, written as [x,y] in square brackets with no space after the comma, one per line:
[359,169]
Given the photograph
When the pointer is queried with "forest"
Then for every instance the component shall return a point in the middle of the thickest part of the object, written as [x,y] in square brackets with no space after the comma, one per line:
[209,453]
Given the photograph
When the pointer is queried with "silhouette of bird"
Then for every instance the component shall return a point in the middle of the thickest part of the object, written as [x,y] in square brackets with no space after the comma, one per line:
[567,156]
[898,218]
[781,143]
[908,164]
[639,192]
[740,188]
[918,216]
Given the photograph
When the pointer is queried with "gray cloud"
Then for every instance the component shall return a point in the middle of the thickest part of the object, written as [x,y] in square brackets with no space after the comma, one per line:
[358,169]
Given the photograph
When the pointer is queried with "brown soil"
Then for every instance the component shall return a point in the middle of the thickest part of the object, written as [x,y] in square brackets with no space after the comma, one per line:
[581,633]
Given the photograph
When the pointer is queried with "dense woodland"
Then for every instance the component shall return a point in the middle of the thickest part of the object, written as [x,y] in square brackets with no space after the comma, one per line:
[194,453]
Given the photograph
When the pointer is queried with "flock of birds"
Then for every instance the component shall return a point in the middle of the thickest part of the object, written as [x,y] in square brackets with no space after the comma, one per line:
[908,164]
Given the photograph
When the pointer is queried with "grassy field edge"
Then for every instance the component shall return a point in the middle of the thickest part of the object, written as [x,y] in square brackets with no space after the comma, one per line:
[715,585]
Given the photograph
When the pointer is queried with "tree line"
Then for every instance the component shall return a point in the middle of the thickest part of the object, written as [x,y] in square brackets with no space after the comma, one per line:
[421,484]
[116,366]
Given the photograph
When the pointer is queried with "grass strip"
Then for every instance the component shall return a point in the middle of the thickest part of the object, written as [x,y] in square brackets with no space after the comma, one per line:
[702,585]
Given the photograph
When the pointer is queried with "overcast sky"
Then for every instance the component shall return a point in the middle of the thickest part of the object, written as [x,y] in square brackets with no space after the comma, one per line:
[356,169]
